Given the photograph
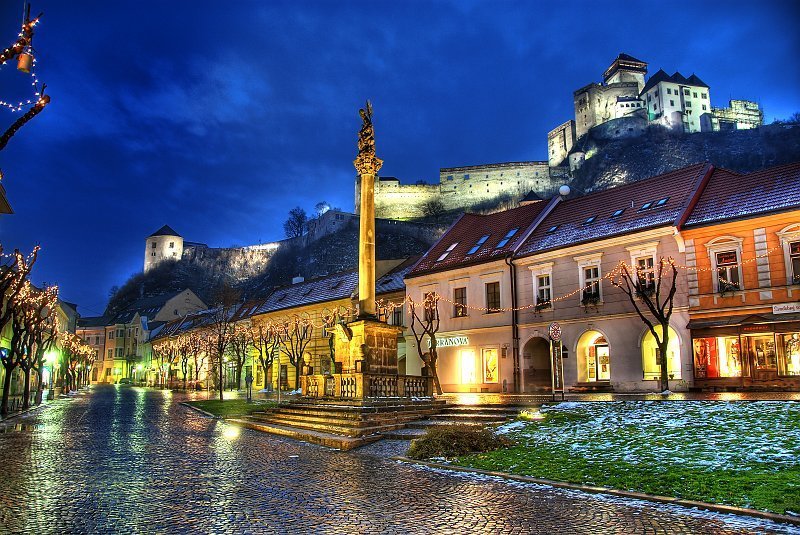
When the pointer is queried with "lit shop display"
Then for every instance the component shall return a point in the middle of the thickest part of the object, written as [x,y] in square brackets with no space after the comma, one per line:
[760,356]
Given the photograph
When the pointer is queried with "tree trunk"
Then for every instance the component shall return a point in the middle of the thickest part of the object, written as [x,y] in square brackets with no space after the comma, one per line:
[40,385]
[663,346]
[297,375]
[6,391]
[26,390]
[221,378]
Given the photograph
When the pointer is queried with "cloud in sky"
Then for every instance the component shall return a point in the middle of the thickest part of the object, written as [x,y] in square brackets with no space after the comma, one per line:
[217,118]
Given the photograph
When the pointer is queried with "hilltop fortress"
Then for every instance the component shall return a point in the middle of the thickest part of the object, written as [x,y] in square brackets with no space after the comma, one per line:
[623,105]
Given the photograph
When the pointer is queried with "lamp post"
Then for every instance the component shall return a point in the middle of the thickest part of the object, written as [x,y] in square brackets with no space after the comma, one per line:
[51,358]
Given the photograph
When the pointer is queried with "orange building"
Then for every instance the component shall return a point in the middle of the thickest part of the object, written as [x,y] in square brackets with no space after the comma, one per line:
[742,242]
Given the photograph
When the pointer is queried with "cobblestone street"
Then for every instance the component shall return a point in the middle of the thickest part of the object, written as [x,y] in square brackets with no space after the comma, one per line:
[129,460]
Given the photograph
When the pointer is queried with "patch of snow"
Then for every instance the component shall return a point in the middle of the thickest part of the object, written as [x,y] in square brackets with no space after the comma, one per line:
[510,427]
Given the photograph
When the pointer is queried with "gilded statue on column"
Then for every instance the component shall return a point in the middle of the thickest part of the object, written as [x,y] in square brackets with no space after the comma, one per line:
[366,162]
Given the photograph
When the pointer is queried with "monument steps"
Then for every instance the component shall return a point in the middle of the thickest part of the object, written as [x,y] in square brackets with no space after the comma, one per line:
[330,440]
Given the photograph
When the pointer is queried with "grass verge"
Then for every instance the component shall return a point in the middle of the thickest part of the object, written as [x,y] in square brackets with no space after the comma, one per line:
[744,456]
[231,408]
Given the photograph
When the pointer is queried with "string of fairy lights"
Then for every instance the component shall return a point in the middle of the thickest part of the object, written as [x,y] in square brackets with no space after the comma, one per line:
[329,318]
[24,41]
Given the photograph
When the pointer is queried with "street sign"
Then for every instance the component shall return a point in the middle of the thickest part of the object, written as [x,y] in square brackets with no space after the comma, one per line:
[555,331]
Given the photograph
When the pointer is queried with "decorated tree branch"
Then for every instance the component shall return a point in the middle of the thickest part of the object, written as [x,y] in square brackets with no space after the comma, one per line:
[425,324]
[652,294]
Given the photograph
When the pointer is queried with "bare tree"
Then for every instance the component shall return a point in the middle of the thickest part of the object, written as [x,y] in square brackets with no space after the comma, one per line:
[426,325]
[295,334]
[221,330]
[321,207]
[266,341]
[34,315]
[433,209]
[652,294]
[239,347]
[295,225]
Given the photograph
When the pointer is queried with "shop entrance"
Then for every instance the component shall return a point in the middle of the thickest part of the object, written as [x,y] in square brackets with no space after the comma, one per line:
[537,372]
[594,358]
[759,352]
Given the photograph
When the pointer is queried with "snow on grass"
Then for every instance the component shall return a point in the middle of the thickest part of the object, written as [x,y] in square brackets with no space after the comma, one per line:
[706,435]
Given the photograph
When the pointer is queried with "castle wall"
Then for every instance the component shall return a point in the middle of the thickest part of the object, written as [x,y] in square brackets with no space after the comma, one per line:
[159,248]
[559,142]
[596,104]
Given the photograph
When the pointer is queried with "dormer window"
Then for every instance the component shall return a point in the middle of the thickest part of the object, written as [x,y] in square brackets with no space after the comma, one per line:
[552,229]
[508,236]
[478,245]
[447,252]
[618,213]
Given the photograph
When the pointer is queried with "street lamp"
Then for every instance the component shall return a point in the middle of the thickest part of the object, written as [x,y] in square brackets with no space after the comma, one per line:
[50,358]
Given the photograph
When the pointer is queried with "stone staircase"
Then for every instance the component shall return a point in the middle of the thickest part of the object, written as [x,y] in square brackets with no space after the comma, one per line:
[482,415]
[340,424]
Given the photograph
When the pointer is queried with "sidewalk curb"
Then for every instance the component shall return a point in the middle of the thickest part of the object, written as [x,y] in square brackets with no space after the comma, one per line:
[201,411]
[717,508]
[23,413]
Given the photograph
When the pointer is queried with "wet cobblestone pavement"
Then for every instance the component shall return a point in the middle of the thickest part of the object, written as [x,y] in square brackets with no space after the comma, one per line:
[129,460]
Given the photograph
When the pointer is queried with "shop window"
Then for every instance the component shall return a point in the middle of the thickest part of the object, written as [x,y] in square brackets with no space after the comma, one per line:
[490,365]
[788,353]
[460,302]
[493,297]
[468,376]
[760,352]
[718,357]
[651,355]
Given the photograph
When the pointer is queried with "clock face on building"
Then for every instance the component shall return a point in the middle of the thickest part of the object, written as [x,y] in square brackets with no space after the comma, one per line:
[555,331]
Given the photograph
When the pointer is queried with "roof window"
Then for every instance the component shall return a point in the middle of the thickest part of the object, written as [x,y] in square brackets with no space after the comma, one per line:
[478,245]
[447,252]
[336,284]
[552,229]
[618,213]
[645,206]
[661,202]
[590,220]
[507,237]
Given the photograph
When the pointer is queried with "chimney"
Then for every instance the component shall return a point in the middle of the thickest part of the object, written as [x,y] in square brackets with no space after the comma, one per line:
[297,280]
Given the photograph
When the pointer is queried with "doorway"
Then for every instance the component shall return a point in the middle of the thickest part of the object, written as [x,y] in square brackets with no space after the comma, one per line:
[537,369]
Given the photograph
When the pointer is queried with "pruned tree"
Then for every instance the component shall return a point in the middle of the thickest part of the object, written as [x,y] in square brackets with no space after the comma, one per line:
[295,334]
[295,225]
[266,342]
[424,325]
[239,348]
[36,316]
[651,291]
[221,330]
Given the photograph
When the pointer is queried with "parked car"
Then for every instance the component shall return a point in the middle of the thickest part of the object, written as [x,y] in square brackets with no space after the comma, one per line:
[126,381]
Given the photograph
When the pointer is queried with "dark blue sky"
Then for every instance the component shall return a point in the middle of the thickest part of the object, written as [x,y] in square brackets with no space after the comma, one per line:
[218,117]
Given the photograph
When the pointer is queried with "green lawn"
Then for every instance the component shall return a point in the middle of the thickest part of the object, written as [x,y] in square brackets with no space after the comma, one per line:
[744,454]
[231,408]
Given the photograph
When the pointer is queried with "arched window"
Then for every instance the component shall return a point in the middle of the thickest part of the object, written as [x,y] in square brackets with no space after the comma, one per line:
[651,362]
[594,358]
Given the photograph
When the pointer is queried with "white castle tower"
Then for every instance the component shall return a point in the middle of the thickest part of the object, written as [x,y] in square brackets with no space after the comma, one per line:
[162,244]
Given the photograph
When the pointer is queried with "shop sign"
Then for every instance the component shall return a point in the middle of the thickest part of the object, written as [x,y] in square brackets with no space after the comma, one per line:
[451,341]
[555,331]
[755,328]
[786,308]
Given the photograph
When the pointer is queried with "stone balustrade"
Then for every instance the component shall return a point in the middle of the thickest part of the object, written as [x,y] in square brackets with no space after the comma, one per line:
[366,386]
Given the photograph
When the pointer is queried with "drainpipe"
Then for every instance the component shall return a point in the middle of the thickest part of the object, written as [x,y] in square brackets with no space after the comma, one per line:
[512,271]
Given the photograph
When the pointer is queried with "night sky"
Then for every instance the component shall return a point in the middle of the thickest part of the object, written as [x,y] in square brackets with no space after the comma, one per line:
[218,117]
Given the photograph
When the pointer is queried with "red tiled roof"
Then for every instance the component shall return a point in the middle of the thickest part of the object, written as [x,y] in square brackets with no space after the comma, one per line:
[468,230]
[730,195]
[570,218]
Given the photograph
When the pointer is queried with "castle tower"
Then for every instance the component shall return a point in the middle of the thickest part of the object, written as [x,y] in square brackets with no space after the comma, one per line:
[162,244]
[626,69]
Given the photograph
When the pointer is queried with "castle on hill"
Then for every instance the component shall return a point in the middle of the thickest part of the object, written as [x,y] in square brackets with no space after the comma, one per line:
[625,103]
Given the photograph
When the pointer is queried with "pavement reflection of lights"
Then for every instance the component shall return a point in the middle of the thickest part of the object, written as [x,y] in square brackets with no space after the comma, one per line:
[231,432]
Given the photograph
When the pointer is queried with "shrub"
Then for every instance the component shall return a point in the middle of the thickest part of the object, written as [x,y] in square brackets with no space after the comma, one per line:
[454,440]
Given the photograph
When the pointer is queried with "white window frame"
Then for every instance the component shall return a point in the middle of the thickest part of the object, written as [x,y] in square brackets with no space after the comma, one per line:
[722,244]
[644,250]
[788,235]
[587,261]
[541,270]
